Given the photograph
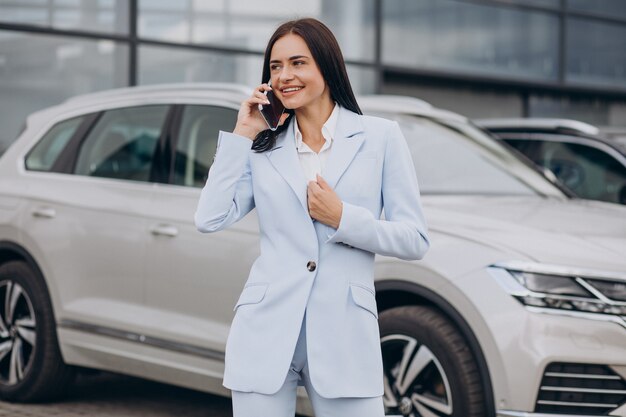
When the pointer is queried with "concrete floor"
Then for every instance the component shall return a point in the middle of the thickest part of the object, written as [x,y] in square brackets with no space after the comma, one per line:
[104,394]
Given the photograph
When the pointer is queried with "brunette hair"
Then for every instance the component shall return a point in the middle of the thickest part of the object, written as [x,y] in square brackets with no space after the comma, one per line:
[329,59]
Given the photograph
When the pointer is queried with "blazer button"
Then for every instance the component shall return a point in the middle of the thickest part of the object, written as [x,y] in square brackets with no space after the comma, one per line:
[311,266]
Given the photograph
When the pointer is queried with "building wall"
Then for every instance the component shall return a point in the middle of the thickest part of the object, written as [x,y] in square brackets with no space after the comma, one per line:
[482,58]
[469,102]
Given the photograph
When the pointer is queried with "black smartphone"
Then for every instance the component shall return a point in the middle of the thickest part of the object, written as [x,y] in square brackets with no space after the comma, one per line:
[273,111]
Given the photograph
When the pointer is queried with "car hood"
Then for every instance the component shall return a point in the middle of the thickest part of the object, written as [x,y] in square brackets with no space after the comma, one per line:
[580,233]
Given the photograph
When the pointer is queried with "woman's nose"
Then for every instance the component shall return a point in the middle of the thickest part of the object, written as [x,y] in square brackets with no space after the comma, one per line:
[285,75]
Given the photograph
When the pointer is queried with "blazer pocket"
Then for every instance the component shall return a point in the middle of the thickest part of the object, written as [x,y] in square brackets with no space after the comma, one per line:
[252,294]
[364,297]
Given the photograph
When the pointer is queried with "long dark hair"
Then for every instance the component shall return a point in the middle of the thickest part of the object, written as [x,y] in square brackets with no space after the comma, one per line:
[329,59]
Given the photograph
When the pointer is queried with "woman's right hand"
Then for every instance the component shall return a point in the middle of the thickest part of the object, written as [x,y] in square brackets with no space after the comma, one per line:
[249,120]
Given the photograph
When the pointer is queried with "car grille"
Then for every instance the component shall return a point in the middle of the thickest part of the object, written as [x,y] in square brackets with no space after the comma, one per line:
[582,389]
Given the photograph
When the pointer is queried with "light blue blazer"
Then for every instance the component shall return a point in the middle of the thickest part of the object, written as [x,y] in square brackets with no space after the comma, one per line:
[369,167]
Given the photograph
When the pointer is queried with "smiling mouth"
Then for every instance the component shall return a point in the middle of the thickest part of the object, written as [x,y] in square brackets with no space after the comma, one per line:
[290,90]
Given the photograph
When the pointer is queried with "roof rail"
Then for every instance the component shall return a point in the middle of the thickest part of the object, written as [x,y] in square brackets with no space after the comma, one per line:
[538,123]
[120,92]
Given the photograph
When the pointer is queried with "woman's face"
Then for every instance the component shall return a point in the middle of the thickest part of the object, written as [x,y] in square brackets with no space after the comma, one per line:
[296,79]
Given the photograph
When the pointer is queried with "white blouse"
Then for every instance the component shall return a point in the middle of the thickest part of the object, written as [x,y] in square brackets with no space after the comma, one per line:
[313,163]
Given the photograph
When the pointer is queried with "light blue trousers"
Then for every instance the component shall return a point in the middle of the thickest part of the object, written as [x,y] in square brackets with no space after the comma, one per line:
[283,402]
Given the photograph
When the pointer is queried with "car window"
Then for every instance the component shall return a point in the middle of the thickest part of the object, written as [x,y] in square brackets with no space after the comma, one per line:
[197,140]
[588,171]
[122,144]
[47,150]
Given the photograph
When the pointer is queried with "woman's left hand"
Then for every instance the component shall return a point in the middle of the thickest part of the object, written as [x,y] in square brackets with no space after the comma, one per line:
[325,206]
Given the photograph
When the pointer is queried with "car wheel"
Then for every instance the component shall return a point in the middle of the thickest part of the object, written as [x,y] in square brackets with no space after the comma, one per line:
[31,366]
[429,371]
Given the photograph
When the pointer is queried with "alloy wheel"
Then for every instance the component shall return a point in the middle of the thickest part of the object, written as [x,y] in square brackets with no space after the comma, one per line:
[17,332]
[416,384]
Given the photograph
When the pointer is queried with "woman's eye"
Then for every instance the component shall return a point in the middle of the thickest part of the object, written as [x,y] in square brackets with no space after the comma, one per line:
[274,67]
[298,62]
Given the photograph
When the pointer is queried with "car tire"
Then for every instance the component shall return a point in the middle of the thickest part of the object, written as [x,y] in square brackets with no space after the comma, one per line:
[429,369]
[31,366]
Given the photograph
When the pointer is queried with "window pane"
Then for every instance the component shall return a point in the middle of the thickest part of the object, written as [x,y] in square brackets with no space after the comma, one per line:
[362,79]
[42,70]
[594,111]
[249,24]
[465,37]
[109,16]
[170,64]
[163,64]
[596,52]
[197,142]
[122,144]
[610,8]
[48,149]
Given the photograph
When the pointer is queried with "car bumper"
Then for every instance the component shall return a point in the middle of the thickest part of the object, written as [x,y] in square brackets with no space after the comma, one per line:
[530,341]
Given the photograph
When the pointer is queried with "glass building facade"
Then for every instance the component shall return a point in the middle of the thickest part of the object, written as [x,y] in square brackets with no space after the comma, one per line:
[482,58]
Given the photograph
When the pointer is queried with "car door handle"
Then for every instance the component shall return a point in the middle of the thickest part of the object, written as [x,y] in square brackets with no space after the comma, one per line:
[164,230]
[44,212]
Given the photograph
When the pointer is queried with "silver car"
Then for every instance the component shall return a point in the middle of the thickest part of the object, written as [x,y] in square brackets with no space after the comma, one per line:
[519,308]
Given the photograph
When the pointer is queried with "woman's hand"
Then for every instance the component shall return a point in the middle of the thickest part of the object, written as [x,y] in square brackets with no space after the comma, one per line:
[249,120]
[325,206]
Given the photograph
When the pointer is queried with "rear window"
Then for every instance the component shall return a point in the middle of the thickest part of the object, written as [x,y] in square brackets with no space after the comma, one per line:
[45,153]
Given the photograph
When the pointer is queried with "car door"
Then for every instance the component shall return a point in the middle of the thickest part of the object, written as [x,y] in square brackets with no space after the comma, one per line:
[85,214]
[193,279]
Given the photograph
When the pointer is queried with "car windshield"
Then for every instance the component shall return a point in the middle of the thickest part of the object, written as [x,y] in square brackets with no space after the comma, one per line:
[454,157]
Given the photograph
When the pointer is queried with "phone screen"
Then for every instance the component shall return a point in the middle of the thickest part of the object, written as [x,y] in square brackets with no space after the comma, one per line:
[272,112]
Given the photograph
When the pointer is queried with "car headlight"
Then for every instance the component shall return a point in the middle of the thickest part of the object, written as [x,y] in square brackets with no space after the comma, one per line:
[565,288]
[611,289]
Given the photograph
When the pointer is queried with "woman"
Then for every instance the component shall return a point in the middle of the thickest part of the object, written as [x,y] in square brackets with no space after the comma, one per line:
[307,313]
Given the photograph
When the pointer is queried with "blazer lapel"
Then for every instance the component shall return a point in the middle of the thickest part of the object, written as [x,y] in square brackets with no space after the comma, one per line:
[284,158]
[346,143]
